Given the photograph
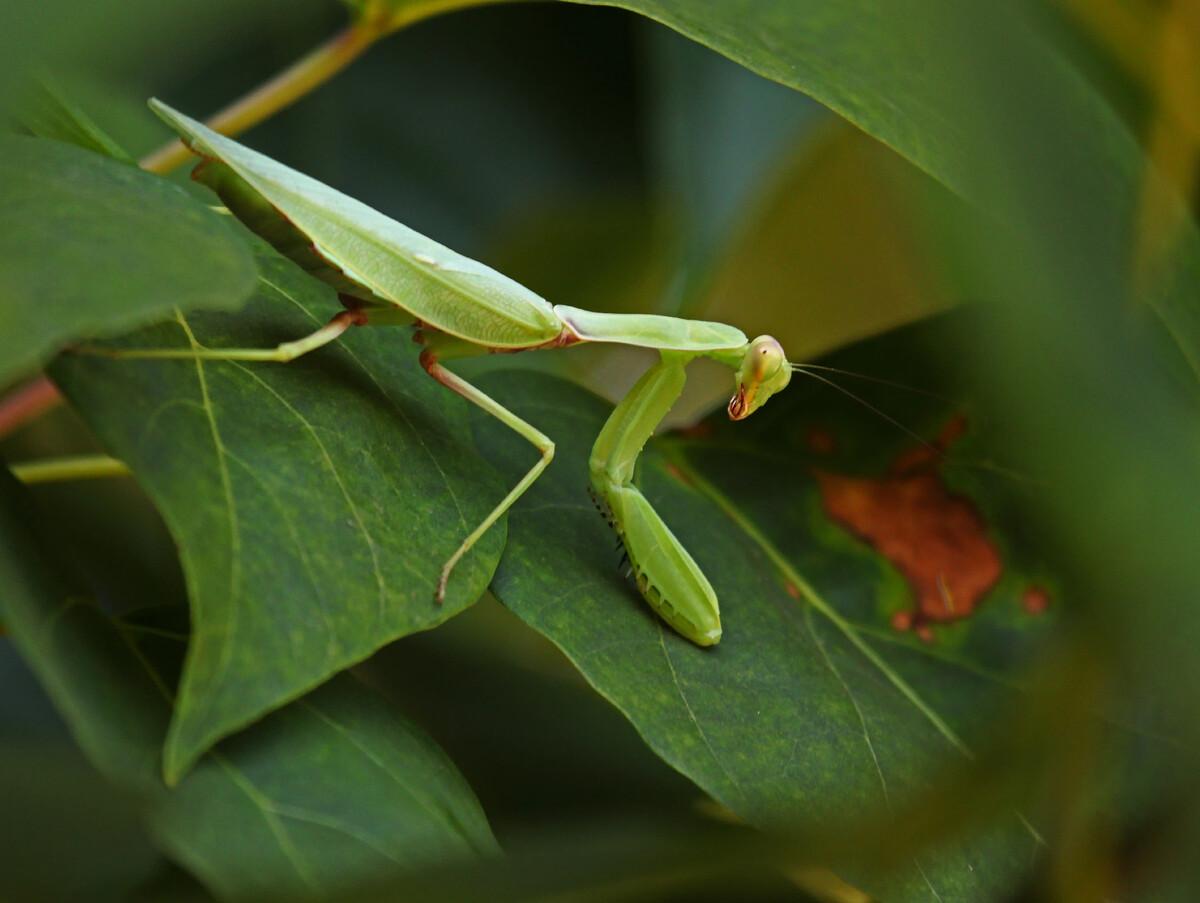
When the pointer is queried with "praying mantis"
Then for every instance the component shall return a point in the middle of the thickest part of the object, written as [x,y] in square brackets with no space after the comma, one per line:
[388,274]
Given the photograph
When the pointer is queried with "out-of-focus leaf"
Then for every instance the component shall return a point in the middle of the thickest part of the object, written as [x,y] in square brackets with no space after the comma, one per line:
[834,542]
[620,861]
[716,132]
[399,13]
[66,833]
[833,253]
[92,247]
[537,744]
[142,41]
[334,790]
[49,114]
[869,60]
[1092,391]
[330,791]
[313,502]
[897,72]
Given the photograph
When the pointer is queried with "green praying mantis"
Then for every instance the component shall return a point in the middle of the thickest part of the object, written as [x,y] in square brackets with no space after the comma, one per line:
[388,274]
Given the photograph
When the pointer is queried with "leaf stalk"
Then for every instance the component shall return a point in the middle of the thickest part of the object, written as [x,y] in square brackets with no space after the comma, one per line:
[307,73]
[56,470]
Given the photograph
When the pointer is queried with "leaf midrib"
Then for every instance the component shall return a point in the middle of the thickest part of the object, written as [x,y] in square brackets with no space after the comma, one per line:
[817,601]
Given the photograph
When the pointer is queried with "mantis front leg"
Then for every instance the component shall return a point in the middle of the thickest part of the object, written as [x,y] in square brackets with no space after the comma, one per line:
[666,574]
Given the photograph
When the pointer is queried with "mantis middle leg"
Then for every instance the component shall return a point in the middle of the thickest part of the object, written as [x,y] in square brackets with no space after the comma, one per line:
[668,577]
[440,347]
[281,354]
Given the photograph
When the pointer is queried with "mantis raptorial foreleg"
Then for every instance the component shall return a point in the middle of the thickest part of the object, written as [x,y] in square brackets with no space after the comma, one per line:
[666,574]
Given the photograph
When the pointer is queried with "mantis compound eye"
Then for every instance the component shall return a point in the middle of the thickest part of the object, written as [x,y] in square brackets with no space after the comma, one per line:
[764,372]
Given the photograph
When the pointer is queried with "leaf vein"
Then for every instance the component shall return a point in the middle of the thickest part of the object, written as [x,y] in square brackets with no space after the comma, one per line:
[439,813]
[695,721]
[462,517]
[853,701]
[266,807]
[337,477]
[225,654]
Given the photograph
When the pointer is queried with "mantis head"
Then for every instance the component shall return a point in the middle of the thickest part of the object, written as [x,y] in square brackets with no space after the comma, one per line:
[764,372]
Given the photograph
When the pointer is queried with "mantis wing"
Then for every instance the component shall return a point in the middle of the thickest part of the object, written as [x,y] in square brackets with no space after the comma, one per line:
[393,263]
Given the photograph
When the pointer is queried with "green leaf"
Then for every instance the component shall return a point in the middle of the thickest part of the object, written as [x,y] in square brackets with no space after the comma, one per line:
[48,114]
[334,790]
[717,134]
[331,791]
[814,706]
[313,503]
[869,60]
[841,229]
[913,75]
[58,810]
[92,247]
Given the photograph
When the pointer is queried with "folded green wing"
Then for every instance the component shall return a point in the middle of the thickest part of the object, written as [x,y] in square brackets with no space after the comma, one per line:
[372,256]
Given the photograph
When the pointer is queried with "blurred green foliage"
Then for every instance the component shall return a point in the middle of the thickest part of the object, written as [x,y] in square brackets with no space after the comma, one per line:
[1028,163]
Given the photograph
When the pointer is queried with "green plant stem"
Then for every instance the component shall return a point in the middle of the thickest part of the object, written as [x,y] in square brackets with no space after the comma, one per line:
[54,470]
[288,86]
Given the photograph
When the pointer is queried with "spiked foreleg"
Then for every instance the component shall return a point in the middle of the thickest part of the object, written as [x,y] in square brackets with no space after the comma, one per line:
[666,574]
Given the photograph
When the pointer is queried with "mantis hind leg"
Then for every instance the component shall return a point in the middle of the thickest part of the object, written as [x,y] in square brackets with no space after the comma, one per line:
[441,347]
[667,576]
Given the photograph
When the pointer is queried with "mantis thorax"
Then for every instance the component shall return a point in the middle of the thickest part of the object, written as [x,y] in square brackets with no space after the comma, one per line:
[763,372]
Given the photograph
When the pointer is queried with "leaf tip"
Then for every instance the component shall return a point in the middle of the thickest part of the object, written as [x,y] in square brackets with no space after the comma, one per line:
[178,758]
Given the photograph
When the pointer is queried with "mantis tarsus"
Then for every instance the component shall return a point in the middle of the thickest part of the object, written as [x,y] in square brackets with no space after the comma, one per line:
[387,274]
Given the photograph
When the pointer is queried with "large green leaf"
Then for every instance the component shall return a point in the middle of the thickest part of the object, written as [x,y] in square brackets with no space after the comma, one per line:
[92,247]
[313,503]
[815,705]
[910,74]
[333,790]
[49,113]
[869,60]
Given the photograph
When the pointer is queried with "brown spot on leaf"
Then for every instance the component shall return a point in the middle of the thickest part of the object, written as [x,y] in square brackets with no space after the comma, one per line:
[821,441]
[1035,599]
[792,590]
[936,539]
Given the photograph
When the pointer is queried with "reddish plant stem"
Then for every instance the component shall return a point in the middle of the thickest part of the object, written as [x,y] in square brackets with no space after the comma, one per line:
[27,402]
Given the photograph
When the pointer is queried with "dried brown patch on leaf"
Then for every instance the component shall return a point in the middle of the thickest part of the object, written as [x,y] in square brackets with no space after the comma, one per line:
[938,540]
